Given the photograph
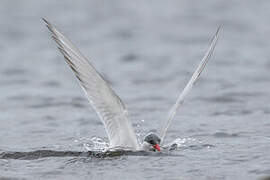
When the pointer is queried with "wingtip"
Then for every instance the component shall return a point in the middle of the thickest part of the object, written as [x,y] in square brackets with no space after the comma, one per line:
[216,36]
[220,27]
[48,24]
[45,21]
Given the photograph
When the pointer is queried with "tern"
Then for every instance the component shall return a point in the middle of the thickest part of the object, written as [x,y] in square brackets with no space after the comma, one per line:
[108,105]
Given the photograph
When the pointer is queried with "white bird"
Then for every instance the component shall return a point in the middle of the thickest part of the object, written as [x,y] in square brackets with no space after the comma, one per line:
[109,107]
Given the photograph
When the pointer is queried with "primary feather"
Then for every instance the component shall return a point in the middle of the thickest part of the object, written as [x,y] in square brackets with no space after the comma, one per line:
[190,84]
[103,99]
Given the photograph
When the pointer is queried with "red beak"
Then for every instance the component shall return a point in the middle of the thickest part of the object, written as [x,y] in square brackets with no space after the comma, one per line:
[157,147]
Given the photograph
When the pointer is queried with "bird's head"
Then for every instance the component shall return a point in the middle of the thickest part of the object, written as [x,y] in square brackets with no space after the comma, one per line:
[151,142]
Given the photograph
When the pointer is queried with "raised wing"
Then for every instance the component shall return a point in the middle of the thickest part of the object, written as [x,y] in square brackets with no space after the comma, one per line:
[190,84]
[103,99]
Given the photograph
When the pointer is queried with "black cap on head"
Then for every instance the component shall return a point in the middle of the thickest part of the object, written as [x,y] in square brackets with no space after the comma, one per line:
[152,139]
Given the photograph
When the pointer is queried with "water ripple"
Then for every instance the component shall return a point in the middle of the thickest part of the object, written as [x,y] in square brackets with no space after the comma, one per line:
[92,154]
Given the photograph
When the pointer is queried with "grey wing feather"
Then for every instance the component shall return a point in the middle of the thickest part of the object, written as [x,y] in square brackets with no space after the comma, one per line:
[190,84]
[103,99]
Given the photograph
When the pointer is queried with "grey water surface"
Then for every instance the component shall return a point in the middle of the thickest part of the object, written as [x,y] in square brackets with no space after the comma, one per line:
[147,50]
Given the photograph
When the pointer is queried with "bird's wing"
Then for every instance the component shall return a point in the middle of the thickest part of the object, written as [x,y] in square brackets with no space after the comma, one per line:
[103,99]
[190,84]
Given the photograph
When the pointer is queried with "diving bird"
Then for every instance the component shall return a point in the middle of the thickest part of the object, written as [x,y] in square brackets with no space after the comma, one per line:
[107,104]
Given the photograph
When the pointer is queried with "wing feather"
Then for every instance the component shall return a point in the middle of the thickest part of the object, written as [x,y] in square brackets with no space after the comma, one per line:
[190,84]
[106,103]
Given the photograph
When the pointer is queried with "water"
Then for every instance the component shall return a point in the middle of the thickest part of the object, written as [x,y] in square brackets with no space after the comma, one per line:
[148,51]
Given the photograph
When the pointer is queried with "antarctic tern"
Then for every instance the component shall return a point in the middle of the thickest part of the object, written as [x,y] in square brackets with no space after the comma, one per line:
[107,104]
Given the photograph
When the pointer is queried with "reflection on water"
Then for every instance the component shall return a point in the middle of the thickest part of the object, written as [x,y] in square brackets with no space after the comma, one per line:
[99,149]
[89,154]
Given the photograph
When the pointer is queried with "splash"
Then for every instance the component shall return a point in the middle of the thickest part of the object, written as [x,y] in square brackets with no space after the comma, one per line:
[140,132]
[187,143]
[96,144]
[182,142]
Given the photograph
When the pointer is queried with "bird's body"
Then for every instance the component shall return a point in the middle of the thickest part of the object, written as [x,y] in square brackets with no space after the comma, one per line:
[109,107]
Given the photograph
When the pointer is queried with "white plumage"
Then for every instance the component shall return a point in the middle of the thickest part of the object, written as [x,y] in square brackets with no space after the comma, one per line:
[103,99]
[109,107]
[194,78]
